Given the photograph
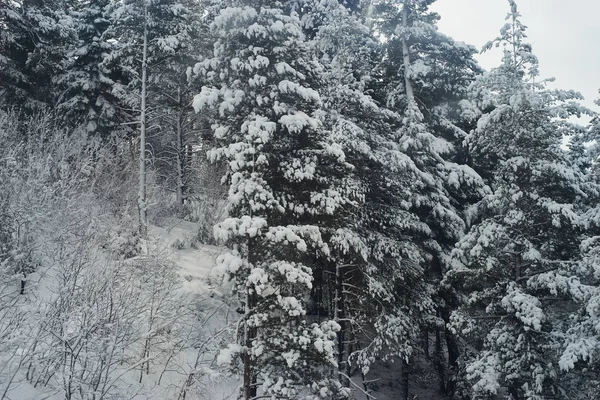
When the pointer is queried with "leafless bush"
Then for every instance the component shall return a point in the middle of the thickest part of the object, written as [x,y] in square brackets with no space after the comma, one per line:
[82,315]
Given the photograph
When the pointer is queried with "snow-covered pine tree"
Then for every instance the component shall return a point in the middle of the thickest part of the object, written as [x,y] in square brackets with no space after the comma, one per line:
[171,90]
[581,345]
[378,293]
[523,244]
[261,100]
[346,48]
[425,77]
[89,88]
[13,54]
[35,38]
[578,361]
[171,26]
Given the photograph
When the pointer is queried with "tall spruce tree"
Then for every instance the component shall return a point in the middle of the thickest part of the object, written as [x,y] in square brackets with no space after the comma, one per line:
[379,293]
[150,34]
[524,241]
[425,76]
[171,90]
[262,103]
[578,360]
[35,38]
[90,88]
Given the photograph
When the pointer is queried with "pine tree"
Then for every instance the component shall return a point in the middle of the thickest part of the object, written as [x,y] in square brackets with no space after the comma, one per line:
[425,76]
[35,39]
[578,362]
[263,106]
[523,242]
[90,88]
[379,280]
[434,73]
[170,96]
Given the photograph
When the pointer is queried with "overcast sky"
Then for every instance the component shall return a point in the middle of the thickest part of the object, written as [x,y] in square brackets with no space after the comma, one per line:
[565,36]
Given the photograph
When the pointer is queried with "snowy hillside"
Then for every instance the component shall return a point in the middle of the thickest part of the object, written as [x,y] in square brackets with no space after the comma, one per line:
[166,344]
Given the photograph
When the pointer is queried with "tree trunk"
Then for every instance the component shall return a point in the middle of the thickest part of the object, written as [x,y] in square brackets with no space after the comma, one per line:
[23,283]
[250,384]
[339,317]
[439,361]
[453,354]
[142,203]
[518,265]
[180,151]
[452,347]
[405,52]
[405,380]
[514,392]
[250,334]
[426,342]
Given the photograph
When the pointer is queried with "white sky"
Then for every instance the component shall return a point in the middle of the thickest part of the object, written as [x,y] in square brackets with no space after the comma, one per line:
[565,35]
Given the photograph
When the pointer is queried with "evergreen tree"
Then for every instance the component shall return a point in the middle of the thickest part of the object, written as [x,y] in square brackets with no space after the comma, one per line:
[35,39]
[171,90]
[379,294]
[524,238]
[425,76]
[577,361]
[149,35]
[578,354]
[281,160]
[90,88]
[434,73]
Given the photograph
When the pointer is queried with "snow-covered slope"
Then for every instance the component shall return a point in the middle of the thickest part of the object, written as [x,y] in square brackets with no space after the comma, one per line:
[151,324]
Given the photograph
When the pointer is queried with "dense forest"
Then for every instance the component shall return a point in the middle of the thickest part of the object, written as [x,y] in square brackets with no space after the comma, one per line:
[289,199]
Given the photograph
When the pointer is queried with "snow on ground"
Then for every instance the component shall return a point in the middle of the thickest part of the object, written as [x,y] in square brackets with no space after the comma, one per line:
[195,262]
[206,326]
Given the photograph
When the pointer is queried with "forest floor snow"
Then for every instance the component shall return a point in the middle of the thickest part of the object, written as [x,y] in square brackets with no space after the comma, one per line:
[195,262]
[208,327]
